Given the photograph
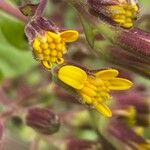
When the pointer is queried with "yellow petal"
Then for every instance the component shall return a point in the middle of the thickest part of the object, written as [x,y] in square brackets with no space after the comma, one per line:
[107,74]
[119,84]
[104,110]
[69,35]
[73,76]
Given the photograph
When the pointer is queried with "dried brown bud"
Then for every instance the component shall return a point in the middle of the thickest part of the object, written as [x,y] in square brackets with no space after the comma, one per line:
[43,120]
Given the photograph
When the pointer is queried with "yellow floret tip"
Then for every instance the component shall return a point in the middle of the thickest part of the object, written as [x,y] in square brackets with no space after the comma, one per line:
[124,14]
[94,89]
[51,47]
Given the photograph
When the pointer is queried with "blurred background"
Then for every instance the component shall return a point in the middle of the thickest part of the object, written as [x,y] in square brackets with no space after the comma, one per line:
[25,84]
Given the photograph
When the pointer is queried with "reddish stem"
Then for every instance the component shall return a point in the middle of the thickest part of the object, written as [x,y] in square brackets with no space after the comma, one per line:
[41,8]
[11,10]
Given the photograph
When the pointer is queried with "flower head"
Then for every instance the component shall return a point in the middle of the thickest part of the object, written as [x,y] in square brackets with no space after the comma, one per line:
[48,42]
[121,12]
[94,88]
[50,47]
[124,13]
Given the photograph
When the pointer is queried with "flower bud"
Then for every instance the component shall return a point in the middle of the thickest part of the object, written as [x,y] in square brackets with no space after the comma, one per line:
[43,120]
[119,12]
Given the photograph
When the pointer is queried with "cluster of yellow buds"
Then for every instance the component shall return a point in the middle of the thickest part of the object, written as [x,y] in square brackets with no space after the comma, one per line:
[51,47]
[124,14]
[120,12]
[94,88]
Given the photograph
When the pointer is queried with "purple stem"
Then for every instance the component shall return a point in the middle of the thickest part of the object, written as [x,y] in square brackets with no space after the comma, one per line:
[11,10]
[41,8]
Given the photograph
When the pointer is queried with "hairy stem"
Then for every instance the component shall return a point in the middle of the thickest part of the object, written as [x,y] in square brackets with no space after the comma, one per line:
[41,8]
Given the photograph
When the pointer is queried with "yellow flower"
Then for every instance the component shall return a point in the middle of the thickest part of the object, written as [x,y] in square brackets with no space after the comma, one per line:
[94,88]
[124,13]
[50,47]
